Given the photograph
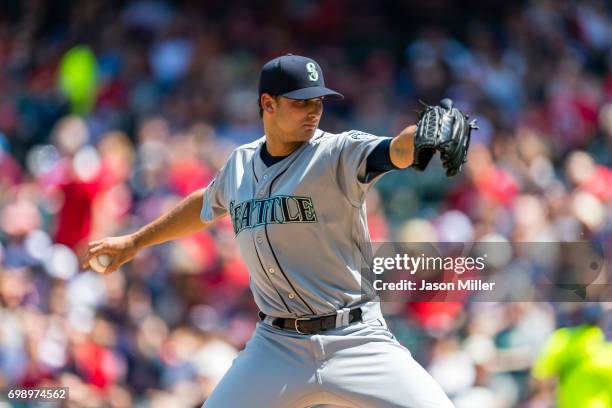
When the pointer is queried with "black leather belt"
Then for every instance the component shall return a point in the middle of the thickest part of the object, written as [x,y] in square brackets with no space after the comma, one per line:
[312,325]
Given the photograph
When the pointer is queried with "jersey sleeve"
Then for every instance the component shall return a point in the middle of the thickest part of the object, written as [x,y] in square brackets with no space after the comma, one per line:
[354,148]
[214,203]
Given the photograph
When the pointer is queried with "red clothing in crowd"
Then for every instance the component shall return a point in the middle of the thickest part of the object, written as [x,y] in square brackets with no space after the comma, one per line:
[75,217]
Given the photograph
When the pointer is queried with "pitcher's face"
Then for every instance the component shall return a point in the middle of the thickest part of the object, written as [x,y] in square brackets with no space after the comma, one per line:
[294,119]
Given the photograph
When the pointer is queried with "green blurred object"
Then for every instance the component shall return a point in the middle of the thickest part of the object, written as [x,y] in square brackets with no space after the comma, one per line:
[582,360]
[78,78]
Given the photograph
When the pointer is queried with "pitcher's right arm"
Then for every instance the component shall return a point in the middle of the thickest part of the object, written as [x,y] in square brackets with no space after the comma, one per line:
[182,220]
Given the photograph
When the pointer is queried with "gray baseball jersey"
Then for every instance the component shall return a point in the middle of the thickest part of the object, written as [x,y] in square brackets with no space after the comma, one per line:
[301,227]
[300,223]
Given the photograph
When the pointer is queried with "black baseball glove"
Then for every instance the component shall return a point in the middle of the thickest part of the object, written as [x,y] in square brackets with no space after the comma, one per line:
[445,129]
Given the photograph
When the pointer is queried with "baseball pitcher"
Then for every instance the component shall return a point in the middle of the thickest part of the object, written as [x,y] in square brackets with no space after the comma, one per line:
[296,201]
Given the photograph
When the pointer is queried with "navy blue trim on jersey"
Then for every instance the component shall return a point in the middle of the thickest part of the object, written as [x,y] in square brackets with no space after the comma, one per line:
[274,254]
[259,257]
[379,161]
[267,158]
[270,279]
[254,174]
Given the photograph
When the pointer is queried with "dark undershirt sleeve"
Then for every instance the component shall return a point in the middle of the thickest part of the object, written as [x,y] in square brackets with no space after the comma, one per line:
[379,161]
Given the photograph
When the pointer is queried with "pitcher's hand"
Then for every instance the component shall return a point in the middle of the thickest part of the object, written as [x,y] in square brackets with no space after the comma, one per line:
[120,249]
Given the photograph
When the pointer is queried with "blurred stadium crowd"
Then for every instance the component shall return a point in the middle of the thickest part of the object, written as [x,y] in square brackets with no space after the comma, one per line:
[172,89]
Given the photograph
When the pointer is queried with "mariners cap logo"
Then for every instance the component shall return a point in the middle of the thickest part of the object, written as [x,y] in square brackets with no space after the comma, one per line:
[313,75]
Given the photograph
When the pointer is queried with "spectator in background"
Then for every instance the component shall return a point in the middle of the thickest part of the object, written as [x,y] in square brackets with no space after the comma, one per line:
[172,98]
[579,357]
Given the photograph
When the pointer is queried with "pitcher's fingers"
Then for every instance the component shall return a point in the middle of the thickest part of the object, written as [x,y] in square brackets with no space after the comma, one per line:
[113,266]
[95,250]
[93,243]
[85,264]
[90,255]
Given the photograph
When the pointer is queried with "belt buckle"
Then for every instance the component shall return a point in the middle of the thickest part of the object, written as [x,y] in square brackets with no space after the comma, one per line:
[297,326]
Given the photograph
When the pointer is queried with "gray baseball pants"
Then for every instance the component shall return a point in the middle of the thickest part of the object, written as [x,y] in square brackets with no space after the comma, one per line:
[357,366]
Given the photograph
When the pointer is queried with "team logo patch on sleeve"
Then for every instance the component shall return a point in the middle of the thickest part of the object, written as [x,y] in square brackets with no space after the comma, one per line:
[359,135]
[273,210]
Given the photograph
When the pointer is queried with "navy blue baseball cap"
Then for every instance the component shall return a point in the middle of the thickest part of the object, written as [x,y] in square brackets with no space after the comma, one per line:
[294,77]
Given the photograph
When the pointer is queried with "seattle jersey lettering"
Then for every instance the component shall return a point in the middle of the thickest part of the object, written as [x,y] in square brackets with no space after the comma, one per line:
[279,209]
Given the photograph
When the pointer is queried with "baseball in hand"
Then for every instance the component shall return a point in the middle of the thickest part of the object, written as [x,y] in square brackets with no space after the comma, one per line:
[100,263]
